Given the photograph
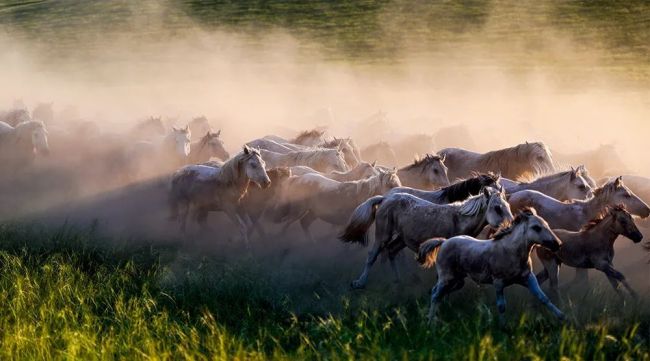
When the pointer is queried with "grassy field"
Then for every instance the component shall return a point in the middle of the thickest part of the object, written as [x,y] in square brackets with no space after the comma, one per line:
[68,294]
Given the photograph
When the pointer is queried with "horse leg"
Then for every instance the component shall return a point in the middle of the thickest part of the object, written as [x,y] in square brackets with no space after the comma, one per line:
[533,287]
[581,278]
[553,269]
[395,268]
[382,238]
[615,277]
[305,222]
[501,300]
[288,223]
[442,288]
[186,214]
[238,221]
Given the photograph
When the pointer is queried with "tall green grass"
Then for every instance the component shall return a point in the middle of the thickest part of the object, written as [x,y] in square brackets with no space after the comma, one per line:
[73,294]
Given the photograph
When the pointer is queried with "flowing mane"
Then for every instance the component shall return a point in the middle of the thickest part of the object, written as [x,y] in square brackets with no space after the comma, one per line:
[461,189]
[506,230]
[314,133]
[424,161]
[602,216]
[503,159]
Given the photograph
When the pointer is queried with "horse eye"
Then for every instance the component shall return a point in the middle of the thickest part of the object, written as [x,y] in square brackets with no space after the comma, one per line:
[498,210]
[582,187]
[536,228]
[435,171]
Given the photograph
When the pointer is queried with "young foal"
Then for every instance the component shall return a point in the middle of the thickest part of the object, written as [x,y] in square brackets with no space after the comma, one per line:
[217,188]
[403,220]
[591,247]
[501,261]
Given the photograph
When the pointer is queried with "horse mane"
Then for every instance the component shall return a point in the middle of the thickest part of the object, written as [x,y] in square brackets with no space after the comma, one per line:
[29,125]
[603,215]
[605,188]
[547,177]
[523,214]
[231,168]
[423,162]
[472,205]
[467,187]
[308,134]
[502,158]
[278,173]
[308,155]
[334,143]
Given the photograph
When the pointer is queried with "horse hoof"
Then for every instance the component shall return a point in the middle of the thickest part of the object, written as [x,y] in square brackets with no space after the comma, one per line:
[355,285]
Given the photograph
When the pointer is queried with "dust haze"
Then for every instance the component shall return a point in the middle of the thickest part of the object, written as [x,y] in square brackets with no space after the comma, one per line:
[276,82]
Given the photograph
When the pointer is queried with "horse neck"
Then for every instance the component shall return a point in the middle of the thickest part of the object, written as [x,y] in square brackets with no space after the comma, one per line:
[517,244]
[409,175]
[364,189]
[461,190]
[232,175]
[472,224]
[501,160]
[595,205]
[603,232]
[545,185]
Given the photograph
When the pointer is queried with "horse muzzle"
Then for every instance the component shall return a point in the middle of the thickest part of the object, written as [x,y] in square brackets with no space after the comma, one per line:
[636,236]
[552,245]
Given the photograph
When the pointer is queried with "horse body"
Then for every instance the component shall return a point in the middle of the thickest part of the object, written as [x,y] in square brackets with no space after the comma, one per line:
[381,152]
[572,216]
[19,145]
[314,196]
[275,146]
[515,162]
[159,156]
[501,261]
[591,247]
[361,171]
[403,220]
[217,188]
[563,186]
[428,173]
[15,117]
[456,192]
[323,160]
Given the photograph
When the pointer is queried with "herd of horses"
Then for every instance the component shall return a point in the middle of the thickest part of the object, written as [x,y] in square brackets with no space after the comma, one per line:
[476,215]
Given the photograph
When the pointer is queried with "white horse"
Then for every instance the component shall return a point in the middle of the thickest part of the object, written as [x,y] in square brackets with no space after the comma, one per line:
[169,153]
[22,143]
[322,160]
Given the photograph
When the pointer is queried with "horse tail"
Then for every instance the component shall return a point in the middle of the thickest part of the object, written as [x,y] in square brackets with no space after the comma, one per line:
[361,219]
[428,252]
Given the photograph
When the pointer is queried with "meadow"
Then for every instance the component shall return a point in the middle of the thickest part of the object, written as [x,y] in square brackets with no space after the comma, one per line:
[71,293]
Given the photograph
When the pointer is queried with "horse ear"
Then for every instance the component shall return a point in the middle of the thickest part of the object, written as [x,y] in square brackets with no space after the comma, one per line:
[374,163]
[443,157]
[573,173]
[218,133]
[247,150]
[526,142]
[619,181]
[486,192]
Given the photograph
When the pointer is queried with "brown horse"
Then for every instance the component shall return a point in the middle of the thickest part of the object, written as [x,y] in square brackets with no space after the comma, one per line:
[591,248]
